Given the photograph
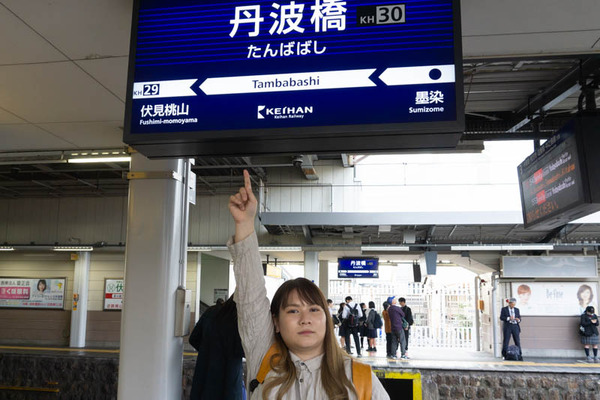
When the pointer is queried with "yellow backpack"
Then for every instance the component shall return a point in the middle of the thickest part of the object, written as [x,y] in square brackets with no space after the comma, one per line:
[361,375]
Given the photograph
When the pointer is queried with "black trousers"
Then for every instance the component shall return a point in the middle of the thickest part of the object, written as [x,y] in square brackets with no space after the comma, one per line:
[514,331]
[388,344]
[406,336]
[354,332]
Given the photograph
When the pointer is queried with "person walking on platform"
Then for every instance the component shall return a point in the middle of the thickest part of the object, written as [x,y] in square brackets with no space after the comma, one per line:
[588,326]
[388,329]
[371,329]
[398,321]
[408,317]
[362,325]
[218,372]
[290,346]
[511,318]
[350,317]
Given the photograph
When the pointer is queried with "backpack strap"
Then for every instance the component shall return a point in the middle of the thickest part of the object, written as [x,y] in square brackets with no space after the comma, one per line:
[265,367]
[361,377]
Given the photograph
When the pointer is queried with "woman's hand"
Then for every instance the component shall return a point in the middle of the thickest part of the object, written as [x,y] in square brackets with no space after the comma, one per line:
[242,207]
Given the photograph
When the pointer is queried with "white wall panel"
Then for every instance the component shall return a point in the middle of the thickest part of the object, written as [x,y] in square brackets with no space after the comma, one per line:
[103,266]
[91,220]
[46,221]
[32,220]
[210,221]
[335,190]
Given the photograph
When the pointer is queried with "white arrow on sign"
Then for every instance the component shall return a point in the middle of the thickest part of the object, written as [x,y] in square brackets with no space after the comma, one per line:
[157,89]
[418,75]
[317,80]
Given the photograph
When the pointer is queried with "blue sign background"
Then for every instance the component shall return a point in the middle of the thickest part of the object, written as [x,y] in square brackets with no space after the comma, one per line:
[179,39]
[354,268]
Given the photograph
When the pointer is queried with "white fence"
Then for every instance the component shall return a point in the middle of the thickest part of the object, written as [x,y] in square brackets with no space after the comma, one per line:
[458,338]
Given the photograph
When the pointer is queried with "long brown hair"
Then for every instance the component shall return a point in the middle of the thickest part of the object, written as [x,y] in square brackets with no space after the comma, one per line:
[333,374]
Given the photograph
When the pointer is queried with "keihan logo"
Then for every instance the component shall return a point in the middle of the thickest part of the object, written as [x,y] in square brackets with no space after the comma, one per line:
[283,112]
[260,108]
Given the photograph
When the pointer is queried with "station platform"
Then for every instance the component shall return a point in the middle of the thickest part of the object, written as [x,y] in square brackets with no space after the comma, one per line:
[28,372]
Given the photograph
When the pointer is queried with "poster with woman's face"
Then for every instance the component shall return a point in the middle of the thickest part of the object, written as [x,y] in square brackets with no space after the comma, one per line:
[32,292]
[554,298]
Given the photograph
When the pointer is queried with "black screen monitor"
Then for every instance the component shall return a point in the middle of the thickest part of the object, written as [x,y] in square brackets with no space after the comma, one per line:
[208,77]
[560,181]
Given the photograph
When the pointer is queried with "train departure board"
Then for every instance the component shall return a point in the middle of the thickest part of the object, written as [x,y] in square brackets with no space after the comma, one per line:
[258,77]
[555,180]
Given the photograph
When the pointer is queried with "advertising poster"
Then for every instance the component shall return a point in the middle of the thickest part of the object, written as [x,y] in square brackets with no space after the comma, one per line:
[555,298]
[32,292]
[113,294]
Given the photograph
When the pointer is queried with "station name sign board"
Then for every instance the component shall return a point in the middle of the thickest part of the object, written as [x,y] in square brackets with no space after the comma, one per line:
[358,268]
[259,77]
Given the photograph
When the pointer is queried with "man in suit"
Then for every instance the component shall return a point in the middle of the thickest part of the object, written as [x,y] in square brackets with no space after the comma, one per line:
[511,318]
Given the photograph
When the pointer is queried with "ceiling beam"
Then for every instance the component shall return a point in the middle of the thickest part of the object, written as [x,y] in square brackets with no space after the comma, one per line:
[307,234]
[565,86]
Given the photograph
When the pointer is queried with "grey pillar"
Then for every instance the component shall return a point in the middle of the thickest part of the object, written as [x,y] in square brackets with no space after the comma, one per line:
[311,266]
[198,286]
[81,278]
[324,277]
[151,357]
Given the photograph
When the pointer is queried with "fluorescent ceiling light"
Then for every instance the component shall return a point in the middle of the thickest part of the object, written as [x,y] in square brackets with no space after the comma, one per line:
[384,248]
[73,248]
[7,248]
[280,248]
[496,247]
[477,247]
[199,248]
[99,159]
[540,246]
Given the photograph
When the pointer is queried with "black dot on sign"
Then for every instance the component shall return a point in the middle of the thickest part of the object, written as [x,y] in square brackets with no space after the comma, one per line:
[435,74]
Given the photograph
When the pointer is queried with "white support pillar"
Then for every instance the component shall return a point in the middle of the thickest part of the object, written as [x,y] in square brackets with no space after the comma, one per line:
[151,357]
[311,266]
[324,277]
[81,278]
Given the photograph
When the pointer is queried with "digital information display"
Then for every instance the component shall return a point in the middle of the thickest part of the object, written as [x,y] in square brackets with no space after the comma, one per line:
[550,178]
[358,268]
[215,71]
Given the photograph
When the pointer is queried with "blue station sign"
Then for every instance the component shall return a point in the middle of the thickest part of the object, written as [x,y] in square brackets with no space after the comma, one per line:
[251,77]
[358,268]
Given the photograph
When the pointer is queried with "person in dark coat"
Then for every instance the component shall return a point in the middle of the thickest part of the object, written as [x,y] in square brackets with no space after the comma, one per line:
[407,316]
[589,334]
[218,372]
[511,318]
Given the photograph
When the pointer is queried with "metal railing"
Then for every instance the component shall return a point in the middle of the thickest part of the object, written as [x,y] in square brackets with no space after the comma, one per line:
[449,337]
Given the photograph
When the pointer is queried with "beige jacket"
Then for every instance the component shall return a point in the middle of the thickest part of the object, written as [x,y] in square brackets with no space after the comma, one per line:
[257,332]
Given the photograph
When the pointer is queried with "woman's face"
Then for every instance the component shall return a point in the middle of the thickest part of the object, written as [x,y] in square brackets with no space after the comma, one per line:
[41,286]
[585,295]
[302,327]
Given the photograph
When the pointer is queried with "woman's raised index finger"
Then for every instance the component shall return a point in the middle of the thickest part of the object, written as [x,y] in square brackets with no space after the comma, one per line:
[247,181]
